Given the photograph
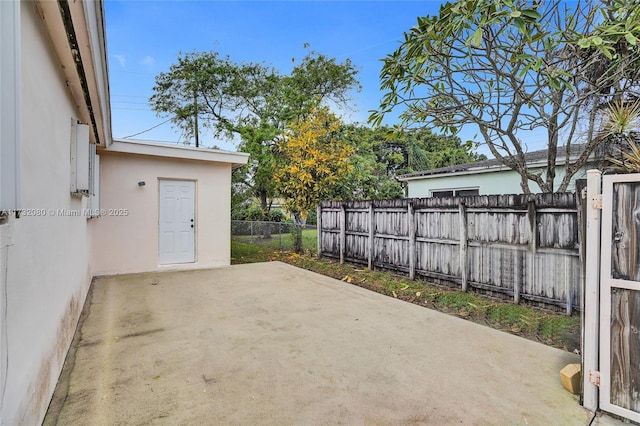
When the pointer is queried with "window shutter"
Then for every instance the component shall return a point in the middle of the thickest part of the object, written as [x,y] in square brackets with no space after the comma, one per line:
[80,157]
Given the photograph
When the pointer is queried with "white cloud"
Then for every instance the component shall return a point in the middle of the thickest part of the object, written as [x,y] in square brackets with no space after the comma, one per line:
[148,62]
[121,60]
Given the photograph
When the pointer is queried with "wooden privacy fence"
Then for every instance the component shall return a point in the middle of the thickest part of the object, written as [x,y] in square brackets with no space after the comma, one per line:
[524,246]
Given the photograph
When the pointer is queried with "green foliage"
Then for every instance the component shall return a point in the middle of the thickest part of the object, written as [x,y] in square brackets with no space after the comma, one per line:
[616,34]
[627,160]
[509,67]
[382,153]
[253,211]
[276,215]
[316,163]
[244,245]
[555,326]
[240,194]
[621,129]
[251,101]
[243,252]
[312,218]
[259,142]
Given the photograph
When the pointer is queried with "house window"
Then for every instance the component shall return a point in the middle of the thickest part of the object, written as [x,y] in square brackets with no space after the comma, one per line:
[440,194]
[460,192]
[466,192]
[9,106]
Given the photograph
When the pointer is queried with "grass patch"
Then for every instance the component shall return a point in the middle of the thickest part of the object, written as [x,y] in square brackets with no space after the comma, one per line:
[282,241]
[459,301]
[552,326]
[249,253]
[553,329]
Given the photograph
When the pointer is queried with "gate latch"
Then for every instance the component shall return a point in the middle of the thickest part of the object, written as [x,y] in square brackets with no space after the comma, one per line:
[594,377]
[596,201]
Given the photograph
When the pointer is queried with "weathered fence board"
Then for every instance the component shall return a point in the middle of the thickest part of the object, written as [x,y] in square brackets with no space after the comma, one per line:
[625,302]
[625,349]
[625,259]
[523,246]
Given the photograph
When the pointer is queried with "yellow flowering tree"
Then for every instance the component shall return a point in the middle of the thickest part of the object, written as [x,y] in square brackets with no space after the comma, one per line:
[316,162]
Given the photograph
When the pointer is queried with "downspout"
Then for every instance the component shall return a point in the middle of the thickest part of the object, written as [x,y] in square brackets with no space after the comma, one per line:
[65,14]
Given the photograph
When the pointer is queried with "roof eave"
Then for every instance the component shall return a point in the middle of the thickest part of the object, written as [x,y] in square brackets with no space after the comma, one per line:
[155,149]
[487,169]
[76,31]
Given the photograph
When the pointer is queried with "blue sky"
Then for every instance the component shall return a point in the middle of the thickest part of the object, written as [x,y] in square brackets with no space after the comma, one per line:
[145,37]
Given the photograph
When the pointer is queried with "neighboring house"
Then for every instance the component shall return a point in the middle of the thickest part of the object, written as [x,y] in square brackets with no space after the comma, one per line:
[486,177]
[72,201]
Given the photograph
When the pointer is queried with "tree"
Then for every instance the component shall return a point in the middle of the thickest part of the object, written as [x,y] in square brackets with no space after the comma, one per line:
[251,101]
[382,153]
[621,129]
[316,163]
[509,67]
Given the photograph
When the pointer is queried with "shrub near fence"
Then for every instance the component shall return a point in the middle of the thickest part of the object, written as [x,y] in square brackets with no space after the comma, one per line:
[523,246]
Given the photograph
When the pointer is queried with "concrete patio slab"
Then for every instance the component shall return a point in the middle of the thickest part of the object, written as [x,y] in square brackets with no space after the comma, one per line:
[273,344]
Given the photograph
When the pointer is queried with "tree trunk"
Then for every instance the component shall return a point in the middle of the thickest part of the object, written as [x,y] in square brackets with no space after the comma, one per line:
[297,240]
[265,206]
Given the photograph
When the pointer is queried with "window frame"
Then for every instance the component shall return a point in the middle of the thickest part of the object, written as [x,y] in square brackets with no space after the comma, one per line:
[454,191]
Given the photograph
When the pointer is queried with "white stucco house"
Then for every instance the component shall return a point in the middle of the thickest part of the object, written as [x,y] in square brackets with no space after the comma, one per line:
[488,177]
[74,203]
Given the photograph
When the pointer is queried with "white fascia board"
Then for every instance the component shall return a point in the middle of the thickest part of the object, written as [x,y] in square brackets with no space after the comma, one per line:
[50,13]
[94,16]
[156,149]
[85,81]
[488,169]
[472,171]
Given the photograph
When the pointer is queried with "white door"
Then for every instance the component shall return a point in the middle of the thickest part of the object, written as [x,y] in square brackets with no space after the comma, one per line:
[177,222]
[620,297]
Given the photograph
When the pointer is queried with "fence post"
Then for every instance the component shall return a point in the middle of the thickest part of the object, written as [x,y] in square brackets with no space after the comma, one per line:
[319,227]
[533,244]
[464,241]
[591,294]
[567,287]
[412,240]
[372,226]
[517,282]
[343,232]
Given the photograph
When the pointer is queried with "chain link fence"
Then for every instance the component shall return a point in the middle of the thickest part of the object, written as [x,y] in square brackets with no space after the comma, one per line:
[277,235]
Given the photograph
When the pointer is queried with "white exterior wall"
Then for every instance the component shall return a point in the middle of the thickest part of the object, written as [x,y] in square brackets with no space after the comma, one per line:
[488,183]
[126,244]
[47,260]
